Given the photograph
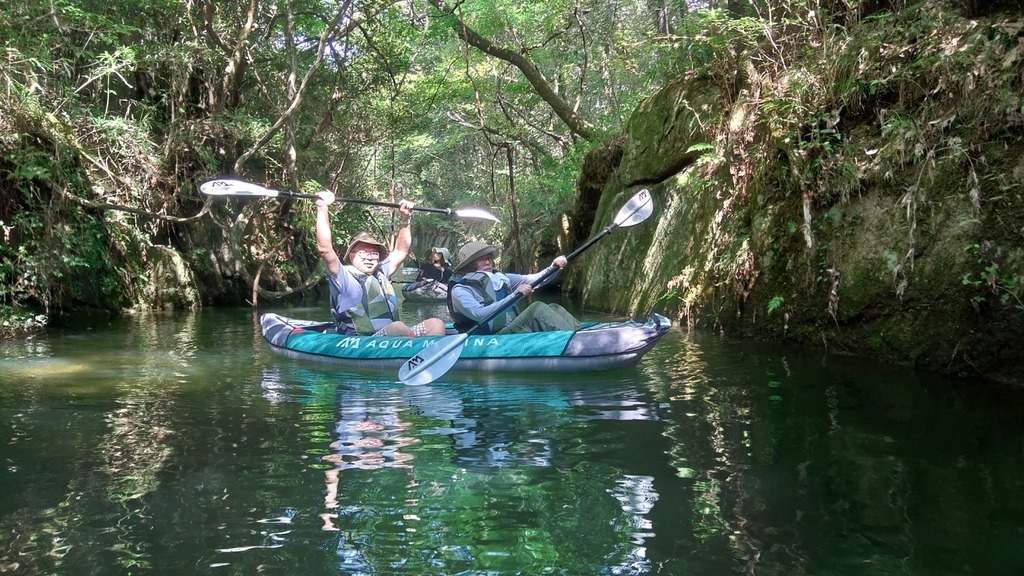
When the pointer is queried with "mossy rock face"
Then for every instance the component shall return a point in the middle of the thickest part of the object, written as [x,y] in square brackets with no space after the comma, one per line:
[663,130]
[901,242]
[171,284]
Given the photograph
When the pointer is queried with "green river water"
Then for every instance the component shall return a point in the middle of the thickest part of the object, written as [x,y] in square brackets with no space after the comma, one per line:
[178,444]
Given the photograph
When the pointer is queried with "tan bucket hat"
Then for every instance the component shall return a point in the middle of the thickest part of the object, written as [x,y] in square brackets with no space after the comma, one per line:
[365,238]
[473,250]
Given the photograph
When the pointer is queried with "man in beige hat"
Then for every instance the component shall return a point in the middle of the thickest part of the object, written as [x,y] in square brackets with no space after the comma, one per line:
[478,290]
[363,301]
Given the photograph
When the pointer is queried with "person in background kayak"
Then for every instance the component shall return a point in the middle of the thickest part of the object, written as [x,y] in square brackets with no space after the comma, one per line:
[477,290]
[441,259]
[431,283]
[362,299]
[436,266]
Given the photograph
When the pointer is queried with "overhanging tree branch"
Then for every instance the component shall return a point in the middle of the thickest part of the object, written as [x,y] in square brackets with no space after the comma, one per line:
[533,75]
[297,97]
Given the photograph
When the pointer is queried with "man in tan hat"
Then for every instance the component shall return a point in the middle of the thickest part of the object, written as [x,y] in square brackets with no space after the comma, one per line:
[362,299]
[478,290]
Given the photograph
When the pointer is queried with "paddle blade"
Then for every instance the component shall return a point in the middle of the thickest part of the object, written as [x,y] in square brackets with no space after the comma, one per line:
[433,361]
[638,209]
[475,213]
[232,187]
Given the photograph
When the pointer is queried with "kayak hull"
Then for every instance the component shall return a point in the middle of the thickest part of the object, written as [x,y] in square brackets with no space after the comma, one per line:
[596,347]
[426,291]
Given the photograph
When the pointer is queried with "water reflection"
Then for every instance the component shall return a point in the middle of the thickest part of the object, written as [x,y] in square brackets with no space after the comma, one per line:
[93,432]
[365,441]
[799,447]
[637,496]
[178,444]
[476,461]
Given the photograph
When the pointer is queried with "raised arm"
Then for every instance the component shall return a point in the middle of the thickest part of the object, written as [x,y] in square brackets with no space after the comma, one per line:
[324,241]
[403,241]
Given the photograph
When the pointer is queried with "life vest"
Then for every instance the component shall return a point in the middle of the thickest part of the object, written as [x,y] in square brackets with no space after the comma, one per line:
[378,308]
[494,287]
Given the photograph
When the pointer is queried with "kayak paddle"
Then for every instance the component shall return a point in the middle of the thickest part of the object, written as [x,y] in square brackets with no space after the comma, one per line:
[436,358]
[234,187]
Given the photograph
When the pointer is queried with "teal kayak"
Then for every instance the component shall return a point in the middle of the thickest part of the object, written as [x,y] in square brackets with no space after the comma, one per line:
[597,346]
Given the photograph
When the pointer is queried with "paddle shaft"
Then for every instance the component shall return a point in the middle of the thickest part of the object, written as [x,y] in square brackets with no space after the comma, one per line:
[235,187]
[290,194]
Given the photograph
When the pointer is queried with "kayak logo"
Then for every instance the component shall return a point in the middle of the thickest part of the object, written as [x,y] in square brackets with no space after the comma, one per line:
[379,343]
[348,342]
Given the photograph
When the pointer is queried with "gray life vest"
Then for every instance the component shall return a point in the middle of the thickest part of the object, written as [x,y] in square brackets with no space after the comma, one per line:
[378,308]
[483,283]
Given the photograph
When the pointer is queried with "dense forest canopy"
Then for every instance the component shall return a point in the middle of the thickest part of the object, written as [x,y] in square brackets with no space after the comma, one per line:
[112,111]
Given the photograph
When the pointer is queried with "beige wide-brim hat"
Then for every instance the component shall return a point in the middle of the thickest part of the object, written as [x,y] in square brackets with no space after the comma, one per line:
[445,253]
[365,238]
[472,251]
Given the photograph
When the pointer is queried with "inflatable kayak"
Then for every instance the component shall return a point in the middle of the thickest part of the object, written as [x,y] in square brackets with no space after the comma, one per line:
[425,291]
[597,346]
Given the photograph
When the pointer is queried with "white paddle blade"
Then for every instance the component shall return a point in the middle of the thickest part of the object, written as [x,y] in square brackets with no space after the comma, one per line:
[638,209]
[232,187]
[476,213]
[433,361]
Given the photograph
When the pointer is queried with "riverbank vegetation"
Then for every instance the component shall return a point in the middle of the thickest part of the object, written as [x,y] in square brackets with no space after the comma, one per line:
[112,112]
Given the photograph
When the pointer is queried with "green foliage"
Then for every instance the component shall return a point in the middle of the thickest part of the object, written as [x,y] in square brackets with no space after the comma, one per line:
[29,165]
[15,323]
[989,281]
[667,296]
[58,261]
[775,303]
[129,104]
[709,154]
[23,274]
[713,38]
